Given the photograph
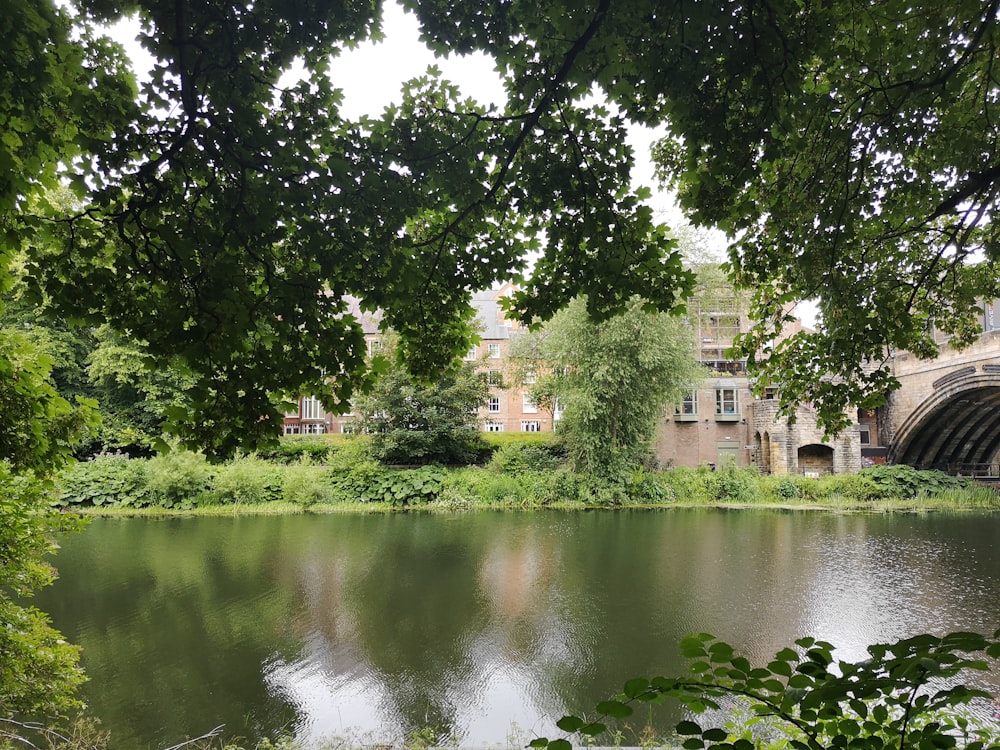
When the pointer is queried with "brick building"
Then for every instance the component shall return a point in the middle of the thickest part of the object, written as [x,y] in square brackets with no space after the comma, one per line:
[718,422]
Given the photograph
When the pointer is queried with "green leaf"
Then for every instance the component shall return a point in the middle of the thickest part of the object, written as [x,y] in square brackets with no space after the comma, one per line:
[614,709]
[570,723]
[687,727]
[635,687]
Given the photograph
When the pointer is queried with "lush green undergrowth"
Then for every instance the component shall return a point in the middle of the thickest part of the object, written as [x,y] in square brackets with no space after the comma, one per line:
[322,473]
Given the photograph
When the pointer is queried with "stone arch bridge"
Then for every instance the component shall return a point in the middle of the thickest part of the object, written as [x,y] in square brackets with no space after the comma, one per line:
[946,414]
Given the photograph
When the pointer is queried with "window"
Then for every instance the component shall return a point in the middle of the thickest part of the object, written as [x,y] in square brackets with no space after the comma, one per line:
[528,405]
[688,407]
[312,408]
[493,426]
[557,409]
[349,428]
[494,377]
[494,350]
[530,425]
[291,429]
[727,403]
[530,377]
[317,428]
[470,355]
[294,413]
[494,406]
[374,346]
[866,434]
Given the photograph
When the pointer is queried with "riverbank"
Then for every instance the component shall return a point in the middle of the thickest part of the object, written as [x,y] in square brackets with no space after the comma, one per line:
[528,474]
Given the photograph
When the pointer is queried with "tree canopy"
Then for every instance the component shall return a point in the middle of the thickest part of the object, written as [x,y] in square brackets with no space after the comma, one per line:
[222,219]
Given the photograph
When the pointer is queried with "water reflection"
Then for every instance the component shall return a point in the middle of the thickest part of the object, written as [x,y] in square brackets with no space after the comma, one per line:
[479,624]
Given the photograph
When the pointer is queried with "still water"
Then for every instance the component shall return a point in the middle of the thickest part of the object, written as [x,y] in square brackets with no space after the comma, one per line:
[481,625]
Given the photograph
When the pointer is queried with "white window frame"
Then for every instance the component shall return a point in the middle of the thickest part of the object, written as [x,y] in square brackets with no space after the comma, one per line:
[492,426]
[531,425]
[312,409]
[494,405]
[528,405]
[494,351]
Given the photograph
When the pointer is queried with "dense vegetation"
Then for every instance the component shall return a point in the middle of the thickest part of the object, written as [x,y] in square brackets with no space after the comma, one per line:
[522,472]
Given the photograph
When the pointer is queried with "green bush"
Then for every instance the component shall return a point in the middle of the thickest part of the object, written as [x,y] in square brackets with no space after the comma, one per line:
[292,448]
[730,485]
[649,488]
[248,480]
[306,484]
[106,479]
[177,479]
[906,482]
[787,489]
[350,452]
[515,458]
[368,482]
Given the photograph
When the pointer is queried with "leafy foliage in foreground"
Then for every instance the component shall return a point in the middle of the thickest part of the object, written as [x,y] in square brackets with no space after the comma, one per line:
[38,669]
[905,695]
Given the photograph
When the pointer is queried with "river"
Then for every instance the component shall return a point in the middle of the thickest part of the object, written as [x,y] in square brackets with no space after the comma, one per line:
[485,627]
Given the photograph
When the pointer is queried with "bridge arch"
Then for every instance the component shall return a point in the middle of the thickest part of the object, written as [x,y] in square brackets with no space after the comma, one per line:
[957,425]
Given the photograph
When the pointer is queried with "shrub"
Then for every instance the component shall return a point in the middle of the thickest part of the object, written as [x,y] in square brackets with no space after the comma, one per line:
[306,484]
[247,479]
[515,458]
[368,482]
[177,479]
[688,484]
[730,485]
[787,489]
[347,453]
[292,448]
[106,479]
[647,487]
[905,482]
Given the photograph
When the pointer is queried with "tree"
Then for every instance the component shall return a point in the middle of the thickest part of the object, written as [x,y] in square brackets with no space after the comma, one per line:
[614,379]
[226,219]
[412,422]
[854,160]
[849,149]
[136,393]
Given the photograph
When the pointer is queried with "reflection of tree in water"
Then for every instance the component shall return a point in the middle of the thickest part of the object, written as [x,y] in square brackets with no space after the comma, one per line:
[473,622]
[171,636]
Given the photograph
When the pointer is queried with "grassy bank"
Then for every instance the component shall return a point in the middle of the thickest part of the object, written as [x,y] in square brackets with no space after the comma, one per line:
[320,475]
